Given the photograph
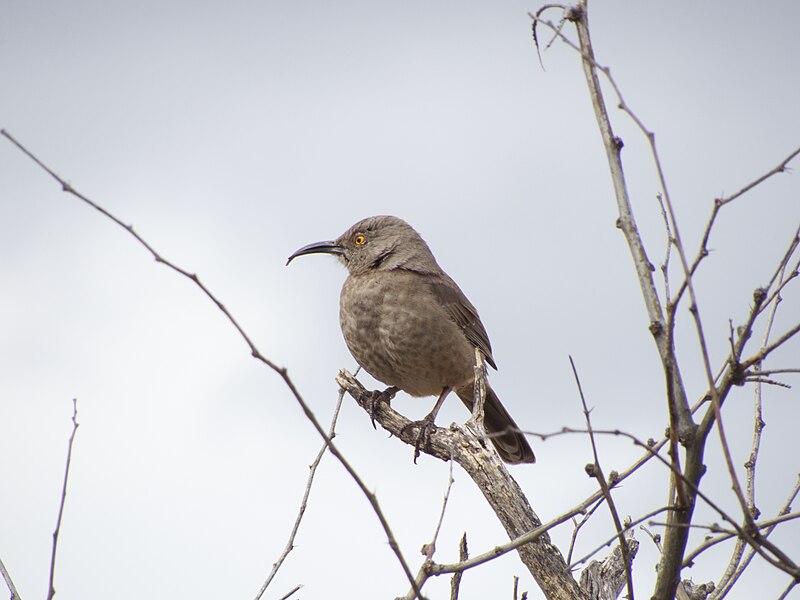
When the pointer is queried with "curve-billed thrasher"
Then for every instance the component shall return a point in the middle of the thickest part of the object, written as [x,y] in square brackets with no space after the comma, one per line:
[410,326]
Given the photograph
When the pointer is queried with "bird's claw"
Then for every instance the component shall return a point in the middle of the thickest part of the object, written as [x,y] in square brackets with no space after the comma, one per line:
[376,398]
[426,427]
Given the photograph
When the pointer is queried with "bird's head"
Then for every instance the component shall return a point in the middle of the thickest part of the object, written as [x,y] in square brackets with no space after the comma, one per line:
[377,243]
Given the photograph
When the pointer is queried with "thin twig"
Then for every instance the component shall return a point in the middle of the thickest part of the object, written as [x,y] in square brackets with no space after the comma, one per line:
[596,471]
[653,447]
[781,168]
[626,527]
[655,537]
[9,583]
[51,590]
[777,558]
[720,202]
[734,563]
[304,501]
[764,352]
[291,592]
[780,271]
[728,581]
[455,581]
[577,528]
[499,550]
[758,421]
[766,372]
[539,13]
[429,549]
[667,251]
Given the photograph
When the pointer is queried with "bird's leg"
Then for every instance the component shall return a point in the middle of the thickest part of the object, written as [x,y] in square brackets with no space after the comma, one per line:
[426,425]
[377,397]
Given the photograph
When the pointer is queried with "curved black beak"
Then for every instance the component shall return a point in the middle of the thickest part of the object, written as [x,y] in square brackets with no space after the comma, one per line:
[317,248]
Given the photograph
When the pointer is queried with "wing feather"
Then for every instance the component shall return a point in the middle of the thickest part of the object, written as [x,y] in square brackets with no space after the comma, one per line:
[462,312]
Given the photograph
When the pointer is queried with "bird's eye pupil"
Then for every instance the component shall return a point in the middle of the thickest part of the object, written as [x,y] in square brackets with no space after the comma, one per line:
[359,240]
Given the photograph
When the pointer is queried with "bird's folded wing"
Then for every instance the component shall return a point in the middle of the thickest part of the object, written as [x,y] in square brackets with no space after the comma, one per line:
[462,312]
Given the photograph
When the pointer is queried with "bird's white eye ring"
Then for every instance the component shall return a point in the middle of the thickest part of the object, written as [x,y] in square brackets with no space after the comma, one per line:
[359,239]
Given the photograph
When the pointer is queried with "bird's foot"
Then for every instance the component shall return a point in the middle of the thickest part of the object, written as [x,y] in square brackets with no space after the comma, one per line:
[376,398]
[426,426]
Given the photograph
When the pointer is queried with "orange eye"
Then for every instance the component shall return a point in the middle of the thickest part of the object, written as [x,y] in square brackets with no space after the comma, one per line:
[359,240]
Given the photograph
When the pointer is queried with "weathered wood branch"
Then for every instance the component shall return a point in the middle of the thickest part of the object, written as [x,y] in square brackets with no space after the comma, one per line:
[461,444]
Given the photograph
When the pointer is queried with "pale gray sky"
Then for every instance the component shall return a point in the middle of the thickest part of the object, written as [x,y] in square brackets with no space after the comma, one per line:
[229,134]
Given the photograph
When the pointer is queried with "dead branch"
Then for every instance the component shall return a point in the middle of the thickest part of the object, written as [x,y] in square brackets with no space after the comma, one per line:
[595,470]
[463,554]
[500,490]
[51,590]
[605,579]
[9,583]
[304,501]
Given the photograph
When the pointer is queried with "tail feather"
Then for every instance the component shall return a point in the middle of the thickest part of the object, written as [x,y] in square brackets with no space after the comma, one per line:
[511,444]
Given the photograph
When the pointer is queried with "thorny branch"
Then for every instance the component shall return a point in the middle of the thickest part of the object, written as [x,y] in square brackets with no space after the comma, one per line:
[595,471]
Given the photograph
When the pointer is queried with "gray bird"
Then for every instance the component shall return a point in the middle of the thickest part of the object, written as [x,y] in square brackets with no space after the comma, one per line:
[409,325]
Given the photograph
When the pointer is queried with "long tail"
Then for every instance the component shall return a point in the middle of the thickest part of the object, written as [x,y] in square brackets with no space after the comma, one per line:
[511,445]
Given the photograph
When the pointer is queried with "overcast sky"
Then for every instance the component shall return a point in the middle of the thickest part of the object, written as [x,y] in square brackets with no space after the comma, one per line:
[229,134]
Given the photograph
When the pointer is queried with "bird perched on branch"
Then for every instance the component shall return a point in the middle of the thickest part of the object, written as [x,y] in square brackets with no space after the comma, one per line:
[409,325]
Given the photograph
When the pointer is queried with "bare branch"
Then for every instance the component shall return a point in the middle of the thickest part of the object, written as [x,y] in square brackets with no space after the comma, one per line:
[304,501]
[728,580]
[291,592]
[781,168]
[574,537]
[765,372]
[764,352]
[463,554]
[677,536]
[720,202]
[668,250]
[539,13]
[726,535]
[596,471]
[429,548]
[628,526]
[762,299]
[768,551]
[51,590]
[9,583]
[780,271]
[605,580]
